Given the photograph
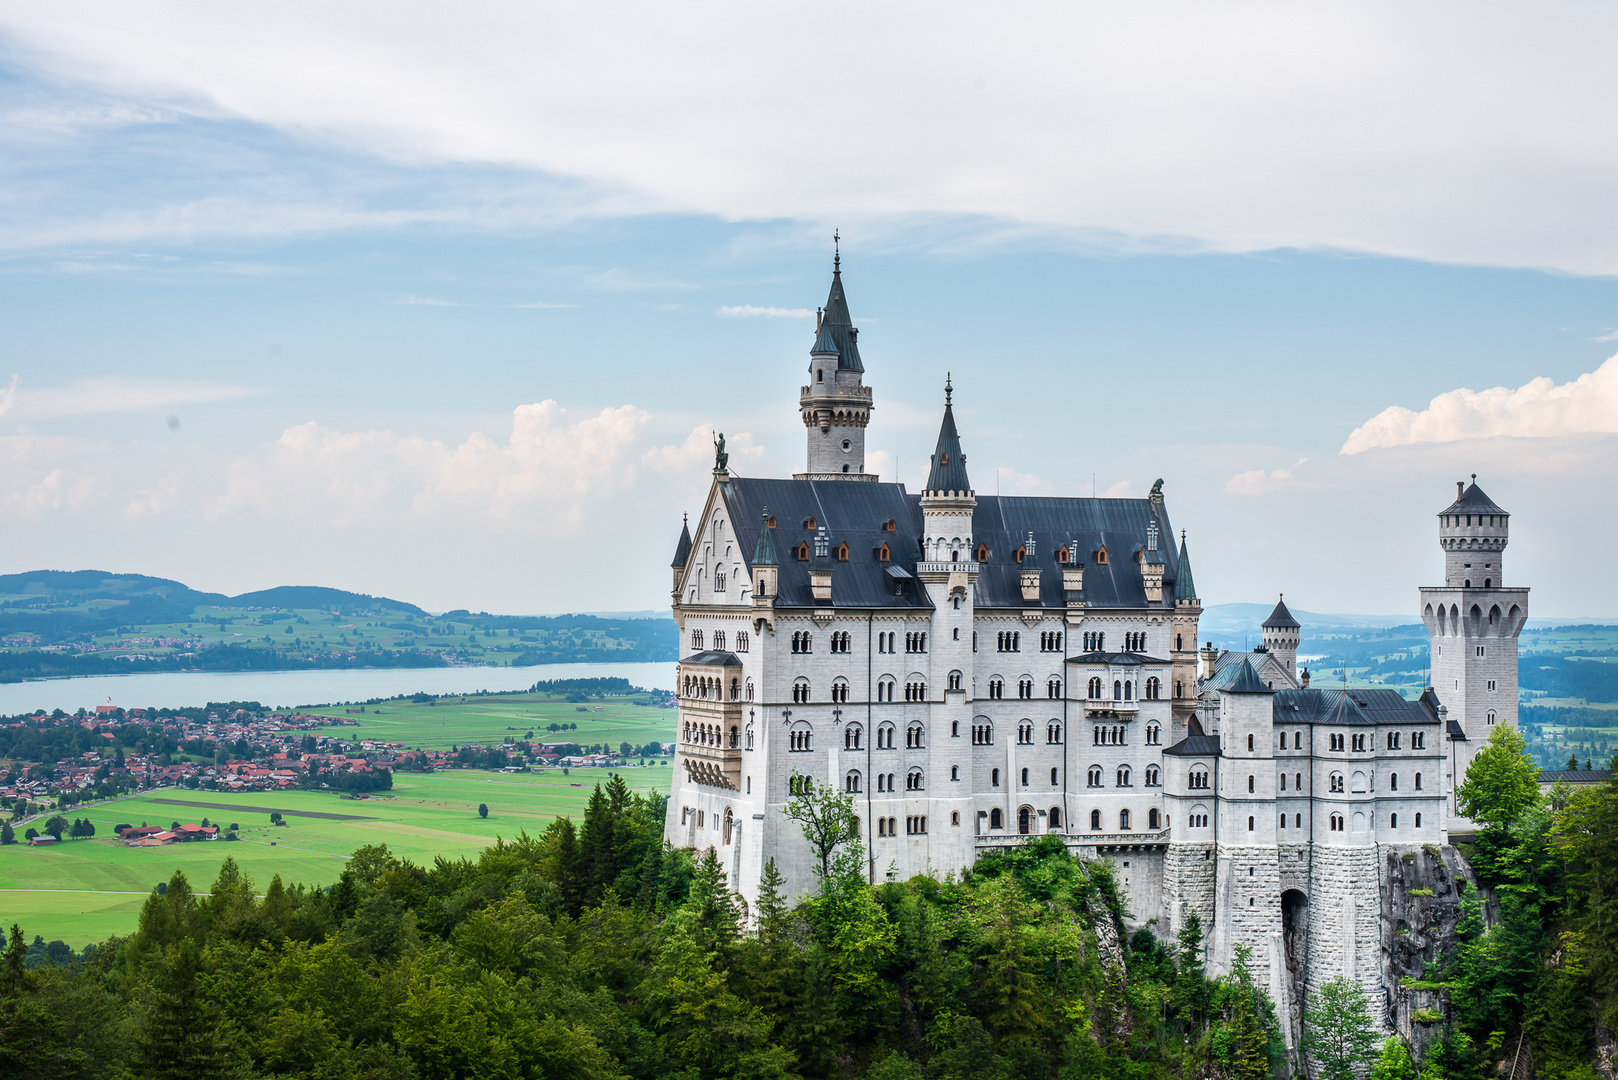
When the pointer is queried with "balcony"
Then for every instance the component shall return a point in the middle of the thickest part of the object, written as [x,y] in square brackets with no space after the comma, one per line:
[717,766]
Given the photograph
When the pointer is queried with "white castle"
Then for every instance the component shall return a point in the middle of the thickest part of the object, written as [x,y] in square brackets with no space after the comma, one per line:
[975,669]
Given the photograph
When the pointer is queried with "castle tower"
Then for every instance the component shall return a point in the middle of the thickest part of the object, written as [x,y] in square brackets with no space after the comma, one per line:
[1187,612]
[1248,894]
[948,571]
[836,405]
[1473,621]
[1281,632]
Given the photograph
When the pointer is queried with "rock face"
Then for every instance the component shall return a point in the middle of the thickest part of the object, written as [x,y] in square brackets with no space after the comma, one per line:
[1421,908]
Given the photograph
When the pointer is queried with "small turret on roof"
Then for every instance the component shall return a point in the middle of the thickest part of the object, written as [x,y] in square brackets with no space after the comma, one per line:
[1184,587]
[682,550]
[1281,617]
[764,553]
[948,472]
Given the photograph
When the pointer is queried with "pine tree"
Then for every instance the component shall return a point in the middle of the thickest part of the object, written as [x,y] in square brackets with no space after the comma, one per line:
[8,835]
[1338,1032]
[179,1035]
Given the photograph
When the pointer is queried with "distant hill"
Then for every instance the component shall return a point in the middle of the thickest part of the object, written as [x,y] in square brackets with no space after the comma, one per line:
[61,603]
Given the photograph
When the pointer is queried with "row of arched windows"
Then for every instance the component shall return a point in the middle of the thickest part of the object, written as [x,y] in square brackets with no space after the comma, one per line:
[840,641]
[1095,641]
[713,688]
[1008,641]
[1050,641]
[1124,775]
[711,735]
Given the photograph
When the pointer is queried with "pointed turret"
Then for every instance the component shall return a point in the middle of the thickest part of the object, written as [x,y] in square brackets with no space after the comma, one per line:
[1281,618]
[836,405]
[1281,636]
[1185,590]
[1247,681]
[682,550]
[766,564]
[948,472]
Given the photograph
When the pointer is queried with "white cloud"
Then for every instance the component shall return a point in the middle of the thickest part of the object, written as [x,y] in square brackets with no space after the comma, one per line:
[1610,335]
[1259,482]
[425,301]
[1537,409]
[1123,489]
[748,311]
[112,394]
[1242,126]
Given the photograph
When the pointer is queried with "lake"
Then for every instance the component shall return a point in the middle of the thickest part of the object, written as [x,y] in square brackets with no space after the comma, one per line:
[286,689]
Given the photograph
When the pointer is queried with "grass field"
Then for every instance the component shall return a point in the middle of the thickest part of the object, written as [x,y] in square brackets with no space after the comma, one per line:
[488,720]
[86,890]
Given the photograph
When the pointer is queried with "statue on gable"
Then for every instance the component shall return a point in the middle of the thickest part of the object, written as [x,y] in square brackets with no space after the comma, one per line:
[1157,488]
[720,458]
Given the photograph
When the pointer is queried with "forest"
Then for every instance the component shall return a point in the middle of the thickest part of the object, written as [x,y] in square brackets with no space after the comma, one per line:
[596,951]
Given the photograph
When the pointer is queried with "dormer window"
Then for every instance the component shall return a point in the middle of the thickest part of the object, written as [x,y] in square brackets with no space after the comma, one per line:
[803,552]
[1061,556]
[770,521]
[943,459]
[1022,553]
[883,554]
[810,524]
[1101,557]
[891,526]
[842,552]
[983,553]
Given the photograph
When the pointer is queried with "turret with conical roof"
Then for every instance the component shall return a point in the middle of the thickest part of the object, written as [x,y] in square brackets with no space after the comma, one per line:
[1281,636]
[836,405]
[682,551]
[766,564]
[948,468]
[1185,589]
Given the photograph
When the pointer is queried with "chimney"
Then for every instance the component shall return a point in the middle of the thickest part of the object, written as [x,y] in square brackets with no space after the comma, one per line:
[1303,678]
[820,570]
[1209,655]
[1460,488]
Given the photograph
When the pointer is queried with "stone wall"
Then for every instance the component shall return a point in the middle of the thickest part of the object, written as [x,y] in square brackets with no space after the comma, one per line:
[1188,885]
[1345,920]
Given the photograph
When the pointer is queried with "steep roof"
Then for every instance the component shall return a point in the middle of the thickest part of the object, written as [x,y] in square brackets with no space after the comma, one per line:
[858,515]
[1353,707]
[682,550]
[1184,587]
[838,325]
[714,658]
[1195,746]
[1472,501]
[948,472]
[1281,618]
[1247,681]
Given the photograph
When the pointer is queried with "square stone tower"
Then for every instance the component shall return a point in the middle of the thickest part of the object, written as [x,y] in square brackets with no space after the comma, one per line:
[1473,621]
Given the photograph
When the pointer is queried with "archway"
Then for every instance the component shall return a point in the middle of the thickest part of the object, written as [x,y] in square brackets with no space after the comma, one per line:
[1295,940]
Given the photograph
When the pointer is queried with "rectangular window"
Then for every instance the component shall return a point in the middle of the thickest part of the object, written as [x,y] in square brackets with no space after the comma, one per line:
[1491,684]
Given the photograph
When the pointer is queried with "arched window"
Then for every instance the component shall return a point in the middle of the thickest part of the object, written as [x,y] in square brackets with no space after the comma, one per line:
[1197,778]
[1123,776]
[982,732]
[913,780]
[955,680]
[1053,776]
[1153,689]
[1053,732]
[1095,776]
[1249,785]
[995,819]
[1054,817]
[851,736]
[851,782]
[1094,691]
[839,690]
[884,737]
[741,641]
[994,777]
[1154,820]
[1179,642]
[801,736]
[1025,733]
[1393,821]
[1129,690]
[1095,820]
[1025,688]
[800,691]
[1025,778]
[1153,777]
[913,735]
[1154,735]
[954,772]
[1418,781]
[1117,690]
[1336,781]
[1123,819]
[1053,688]
[1418,821]
[696,640]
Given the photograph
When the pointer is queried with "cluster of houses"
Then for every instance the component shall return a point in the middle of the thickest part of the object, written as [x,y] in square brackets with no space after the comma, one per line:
[156,836]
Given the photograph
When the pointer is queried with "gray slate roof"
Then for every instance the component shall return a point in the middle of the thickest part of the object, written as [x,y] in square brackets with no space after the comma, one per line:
[948,472]
[1281,618]
[1575,776]
[856,514]
[1115,658]
[714,657]
[1246,681]
[840,325]
[1472,501]
[1195,746]
[1355,707]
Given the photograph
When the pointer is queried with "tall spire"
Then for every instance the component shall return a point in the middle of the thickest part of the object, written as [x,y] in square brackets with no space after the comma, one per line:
[836,324]
[1184,587]
[682,549]
[948,472]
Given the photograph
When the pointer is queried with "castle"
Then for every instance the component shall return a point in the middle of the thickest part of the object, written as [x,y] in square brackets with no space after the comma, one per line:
[974,669]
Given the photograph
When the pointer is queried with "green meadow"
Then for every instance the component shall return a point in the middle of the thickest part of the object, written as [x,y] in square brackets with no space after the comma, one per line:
[488,720]
[82,891]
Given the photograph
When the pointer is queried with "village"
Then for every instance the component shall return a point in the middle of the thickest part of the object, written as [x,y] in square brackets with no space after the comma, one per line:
[57,761]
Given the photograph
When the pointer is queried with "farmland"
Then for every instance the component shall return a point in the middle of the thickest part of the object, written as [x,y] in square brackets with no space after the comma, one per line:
[84,890]
[489,719]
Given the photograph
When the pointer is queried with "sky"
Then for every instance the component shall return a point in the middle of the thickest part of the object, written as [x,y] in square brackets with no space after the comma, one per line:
[447,305]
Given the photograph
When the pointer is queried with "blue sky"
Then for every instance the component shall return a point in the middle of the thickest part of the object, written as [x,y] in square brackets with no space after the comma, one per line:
[449,312]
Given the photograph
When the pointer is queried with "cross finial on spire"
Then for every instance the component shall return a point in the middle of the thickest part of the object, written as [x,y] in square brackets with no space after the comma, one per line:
[948,390]
[837,254]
